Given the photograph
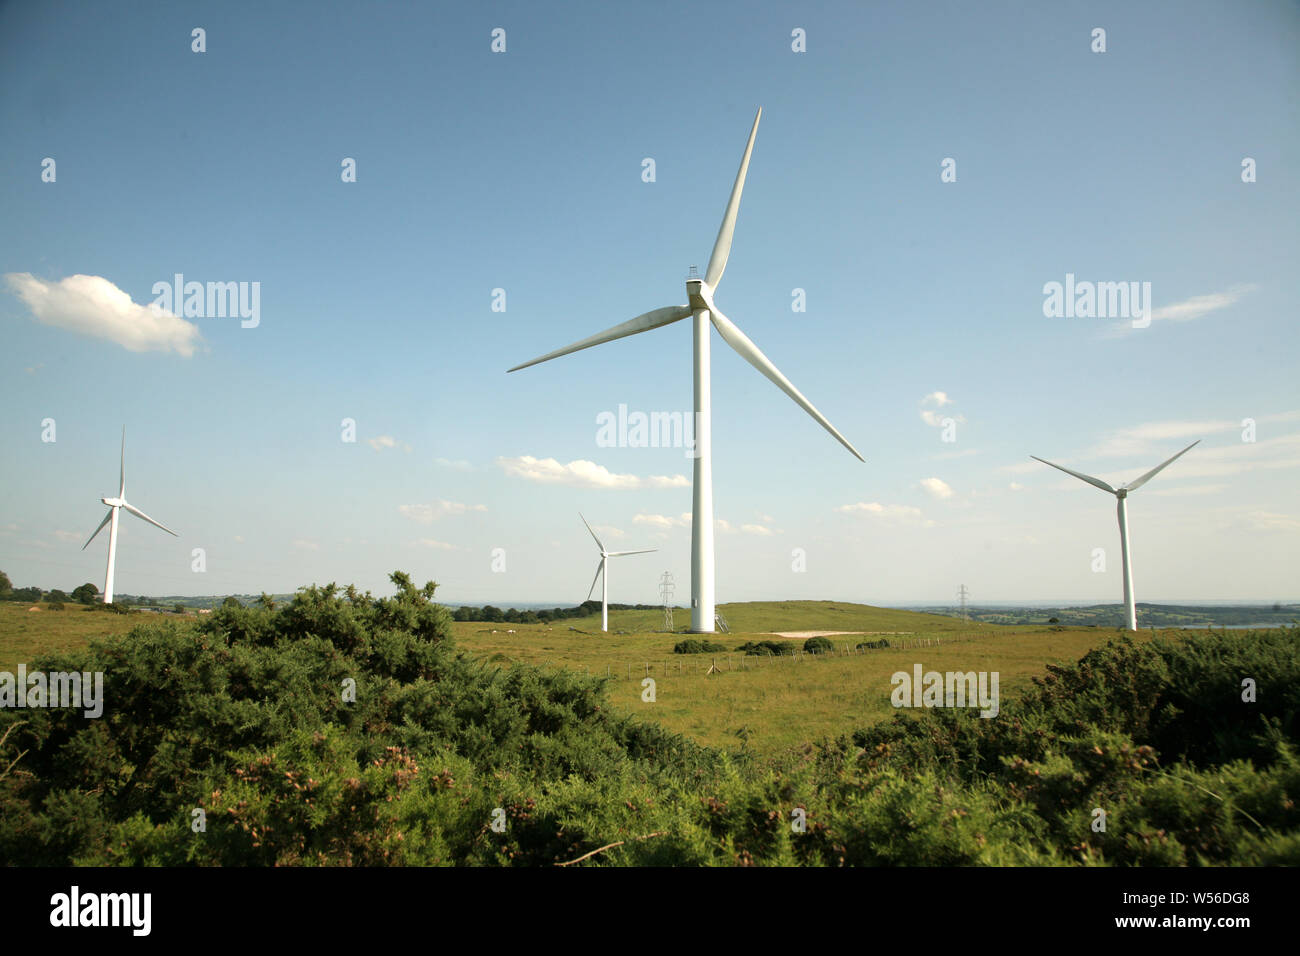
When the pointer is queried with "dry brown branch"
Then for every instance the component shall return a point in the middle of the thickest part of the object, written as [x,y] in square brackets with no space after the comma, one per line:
[610,846]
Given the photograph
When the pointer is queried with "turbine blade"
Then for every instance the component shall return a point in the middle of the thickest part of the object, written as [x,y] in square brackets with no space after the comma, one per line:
[722,245]
[619,554]
[1135,485]
[140,514]
[592,533]
[1082,477]
[642,323]
[751,354]
[121,491]
[107,518]
[600,565]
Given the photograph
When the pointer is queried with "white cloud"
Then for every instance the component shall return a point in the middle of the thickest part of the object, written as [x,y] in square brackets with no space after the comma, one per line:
[664,522]
[304,545]
[1188,490]
[937,400]
[1016,486]
[608,530]
[1269,521]
[437,545]
[382,442]
[93,306]
[1195,307]
[67,535]
[583,474]
[426,514]
[937,488]
[892,514]
[756,529]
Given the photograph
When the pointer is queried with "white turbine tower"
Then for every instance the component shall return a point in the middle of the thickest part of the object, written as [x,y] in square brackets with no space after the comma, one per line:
[1122,493]
[700,306]
[110,519]
[602,573]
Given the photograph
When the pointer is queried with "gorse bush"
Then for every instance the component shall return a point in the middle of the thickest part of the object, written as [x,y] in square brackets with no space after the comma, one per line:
[339,728]
[764,648]
[694,645]
[818,645]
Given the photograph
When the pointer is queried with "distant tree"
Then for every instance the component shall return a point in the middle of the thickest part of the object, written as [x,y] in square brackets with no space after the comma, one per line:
[56,595]
[528,617]
[178,608]
[1053,620]
[231,601]
[492,614]
[511,616]
[26,594]
[267,601]
[56,605]
[85,594]
[5,584]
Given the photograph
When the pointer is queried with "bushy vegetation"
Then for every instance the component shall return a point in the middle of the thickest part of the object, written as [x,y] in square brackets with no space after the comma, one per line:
[818,645]
[765,648]
[879,645]
[494,615]
[246,717]
[694,645]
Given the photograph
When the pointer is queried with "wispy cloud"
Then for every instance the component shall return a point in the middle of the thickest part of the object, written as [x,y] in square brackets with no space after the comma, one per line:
[72,536]
[937,400]
[1195,307]
[583,474]
[936,488]
[93,306]
[426,514]
[436,545]
[663,522]
[1271,521]
[891,514]
[382,442]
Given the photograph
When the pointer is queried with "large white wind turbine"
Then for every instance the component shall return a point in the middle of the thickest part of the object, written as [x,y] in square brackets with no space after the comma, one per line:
[1122,493]
[110,519]
[602,573]
[700,305]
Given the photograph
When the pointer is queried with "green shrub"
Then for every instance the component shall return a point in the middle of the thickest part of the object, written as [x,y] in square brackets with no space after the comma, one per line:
[818,645]
[873,645]
[764,648]
[694,645]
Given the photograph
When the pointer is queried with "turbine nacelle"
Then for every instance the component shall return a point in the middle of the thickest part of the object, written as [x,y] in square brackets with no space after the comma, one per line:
[698,295]
[114,502]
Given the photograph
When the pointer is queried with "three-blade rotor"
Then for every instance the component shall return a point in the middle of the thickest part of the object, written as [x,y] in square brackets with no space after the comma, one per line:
[121,502]
[730,333]
[1122,489]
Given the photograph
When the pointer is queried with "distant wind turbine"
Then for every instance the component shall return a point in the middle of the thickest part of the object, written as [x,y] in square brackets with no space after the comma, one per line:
[110,519]
[700,306]
[602,574]
[1122,493]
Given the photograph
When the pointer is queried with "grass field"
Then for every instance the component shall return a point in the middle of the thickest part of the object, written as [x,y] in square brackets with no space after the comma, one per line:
[771,705]
[765,705]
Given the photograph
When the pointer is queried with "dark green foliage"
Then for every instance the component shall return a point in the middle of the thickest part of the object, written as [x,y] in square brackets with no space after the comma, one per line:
[818,645]
[764,648]
[693,645]
[85,594]
[246,716]
[873,645]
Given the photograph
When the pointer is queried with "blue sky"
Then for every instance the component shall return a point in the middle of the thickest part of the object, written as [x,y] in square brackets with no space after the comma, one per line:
[522,171]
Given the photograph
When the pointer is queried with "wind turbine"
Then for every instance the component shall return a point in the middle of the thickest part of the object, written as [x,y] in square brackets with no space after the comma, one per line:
[602,572]
[700,306]
[110,519]
[1122,493]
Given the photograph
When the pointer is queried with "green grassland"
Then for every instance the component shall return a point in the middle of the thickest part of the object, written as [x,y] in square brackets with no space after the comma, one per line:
[767,705]
[26,634]
[772,705]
